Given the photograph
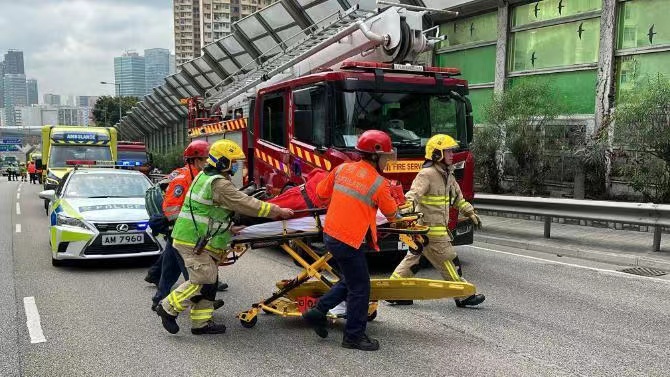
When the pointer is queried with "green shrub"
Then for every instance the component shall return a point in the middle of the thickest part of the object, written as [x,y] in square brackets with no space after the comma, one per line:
[642,126]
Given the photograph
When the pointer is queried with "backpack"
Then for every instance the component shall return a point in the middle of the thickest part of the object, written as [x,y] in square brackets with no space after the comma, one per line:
[153,200]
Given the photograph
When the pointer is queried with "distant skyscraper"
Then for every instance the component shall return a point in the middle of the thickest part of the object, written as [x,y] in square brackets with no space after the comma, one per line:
[16,94]
[2,88]
[129,73]
[200,22]
[32,91]
[173,65]
[52,99]
[14,62]
[156,67]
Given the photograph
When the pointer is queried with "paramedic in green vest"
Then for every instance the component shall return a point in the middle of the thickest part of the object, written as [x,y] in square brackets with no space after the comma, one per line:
[201,235]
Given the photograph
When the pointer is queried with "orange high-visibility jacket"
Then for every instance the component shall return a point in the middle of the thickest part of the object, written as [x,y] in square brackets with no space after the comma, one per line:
[31,167]
[180,181]
[355,190]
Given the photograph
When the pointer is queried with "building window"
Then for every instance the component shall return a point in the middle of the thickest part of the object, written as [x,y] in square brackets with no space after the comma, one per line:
[551,9]
[310,116]
[643,24]
[273,127]
[555,46]
[470,30]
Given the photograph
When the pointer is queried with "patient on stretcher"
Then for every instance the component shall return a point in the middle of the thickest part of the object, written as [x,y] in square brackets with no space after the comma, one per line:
[297,198]
[303,197]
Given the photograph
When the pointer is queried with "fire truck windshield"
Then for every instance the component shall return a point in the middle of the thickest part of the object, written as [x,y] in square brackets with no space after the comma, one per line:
[409,118]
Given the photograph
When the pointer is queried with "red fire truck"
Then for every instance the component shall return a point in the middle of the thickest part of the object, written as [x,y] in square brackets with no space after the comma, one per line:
[308,105]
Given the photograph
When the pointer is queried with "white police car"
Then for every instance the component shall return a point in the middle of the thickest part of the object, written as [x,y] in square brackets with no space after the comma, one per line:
[99,213]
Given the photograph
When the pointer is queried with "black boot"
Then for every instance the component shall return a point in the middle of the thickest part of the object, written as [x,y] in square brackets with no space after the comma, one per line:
[210,328]
[318,321]
[365,343]
[400,302]
[473,300]
[218,304]
[222,287]
[151,279]
[169,321]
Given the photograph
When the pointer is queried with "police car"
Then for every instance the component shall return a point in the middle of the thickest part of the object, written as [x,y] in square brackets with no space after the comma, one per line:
[98,213]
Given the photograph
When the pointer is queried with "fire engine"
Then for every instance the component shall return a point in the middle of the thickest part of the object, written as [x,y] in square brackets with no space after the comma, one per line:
[305,104]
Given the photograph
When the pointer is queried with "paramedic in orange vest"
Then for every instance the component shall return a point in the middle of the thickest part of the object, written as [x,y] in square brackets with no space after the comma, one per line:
[32,171]
[356,190]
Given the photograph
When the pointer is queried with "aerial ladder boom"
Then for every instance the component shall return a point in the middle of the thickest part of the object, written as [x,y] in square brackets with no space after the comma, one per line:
[394,35]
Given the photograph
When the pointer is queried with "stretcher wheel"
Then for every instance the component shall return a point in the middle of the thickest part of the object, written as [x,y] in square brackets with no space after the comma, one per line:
[249,324]
[372,316]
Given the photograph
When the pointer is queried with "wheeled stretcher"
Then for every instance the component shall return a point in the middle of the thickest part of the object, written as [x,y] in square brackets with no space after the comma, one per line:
[293,296]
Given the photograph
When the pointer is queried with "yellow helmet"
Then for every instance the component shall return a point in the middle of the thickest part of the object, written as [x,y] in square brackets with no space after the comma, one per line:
[437,144]
[223,152]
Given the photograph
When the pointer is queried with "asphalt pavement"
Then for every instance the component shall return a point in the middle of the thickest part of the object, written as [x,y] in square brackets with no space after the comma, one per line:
[544,316]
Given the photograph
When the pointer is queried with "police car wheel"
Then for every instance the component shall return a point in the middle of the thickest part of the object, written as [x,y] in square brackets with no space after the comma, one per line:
[57,262]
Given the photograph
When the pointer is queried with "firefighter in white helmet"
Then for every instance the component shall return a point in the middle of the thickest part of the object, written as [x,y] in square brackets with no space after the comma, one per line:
[434,191]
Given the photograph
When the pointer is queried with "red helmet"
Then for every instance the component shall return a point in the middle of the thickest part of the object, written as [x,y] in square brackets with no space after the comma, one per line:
[197,149]
[374,141]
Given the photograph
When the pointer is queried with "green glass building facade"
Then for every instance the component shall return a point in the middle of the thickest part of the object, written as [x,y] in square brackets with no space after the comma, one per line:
[559,42]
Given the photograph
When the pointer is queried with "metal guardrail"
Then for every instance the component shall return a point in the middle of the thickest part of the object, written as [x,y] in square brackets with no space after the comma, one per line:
[656,215]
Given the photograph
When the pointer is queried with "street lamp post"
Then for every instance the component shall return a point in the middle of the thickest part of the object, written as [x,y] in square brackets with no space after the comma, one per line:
[118,94]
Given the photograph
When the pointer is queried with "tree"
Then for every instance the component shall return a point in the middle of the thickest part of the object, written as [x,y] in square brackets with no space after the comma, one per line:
[521,117]
[106,109]
[642,126]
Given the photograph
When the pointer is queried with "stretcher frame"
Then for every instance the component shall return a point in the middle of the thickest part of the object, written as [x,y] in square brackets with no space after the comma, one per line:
[318,277]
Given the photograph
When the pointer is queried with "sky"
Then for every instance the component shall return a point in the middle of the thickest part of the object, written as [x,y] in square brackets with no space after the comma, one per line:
[69,45]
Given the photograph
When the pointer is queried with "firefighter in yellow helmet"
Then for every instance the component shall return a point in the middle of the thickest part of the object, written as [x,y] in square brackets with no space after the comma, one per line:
[202,233]
[434,191]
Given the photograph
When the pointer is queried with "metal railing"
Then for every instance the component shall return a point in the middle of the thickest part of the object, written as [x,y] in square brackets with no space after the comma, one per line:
[649,214]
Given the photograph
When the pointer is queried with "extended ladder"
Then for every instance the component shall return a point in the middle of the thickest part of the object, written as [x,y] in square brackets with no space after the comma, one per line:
[319,35]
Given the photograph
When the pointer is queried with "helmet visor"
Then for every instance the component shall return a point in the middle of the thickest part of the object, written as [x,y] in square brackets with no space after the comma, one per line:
[385,158]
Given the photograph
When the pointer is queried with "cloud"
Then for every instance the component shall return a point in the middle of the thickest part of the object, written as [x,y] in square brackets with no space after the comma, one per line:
[69,46]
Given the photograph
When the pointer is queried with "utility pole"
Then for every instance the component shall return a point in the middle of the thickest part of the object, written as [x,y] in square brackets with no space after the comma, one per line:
[118,93]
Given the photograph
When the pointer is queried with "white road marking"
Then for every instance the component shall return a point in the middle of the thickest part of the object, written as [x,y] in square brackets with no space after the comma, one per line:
[18,195]
[613,272]
[18,228]
[18,209]
[33,321]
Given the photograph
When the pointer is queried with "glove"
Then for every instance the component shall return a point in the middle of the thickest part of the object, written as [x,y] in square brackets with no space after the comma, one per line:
[406,208]
[476,221]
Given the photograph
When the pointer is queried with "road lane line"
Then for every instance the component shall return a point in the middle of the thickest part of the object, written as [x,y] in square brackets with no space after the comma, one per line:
[18,195]
[18,209]
[613,272]
[33,321]
[18,228]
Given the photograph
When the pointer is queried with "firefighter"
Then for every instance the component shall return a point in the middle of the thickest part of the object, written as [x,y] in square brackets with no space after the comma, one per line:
[434,191]
[201,235]
[165,272]
[356,190]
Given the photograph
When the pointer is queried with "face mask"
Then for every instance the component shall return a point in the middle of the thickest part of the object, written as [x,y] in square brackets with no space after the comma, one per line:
[233,169]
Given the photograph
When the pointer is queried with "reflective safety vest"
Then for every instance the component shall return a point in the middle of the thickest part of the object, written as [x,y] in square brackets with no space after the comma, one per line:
[434,191]
[355,190]
[199,215]
[180,181]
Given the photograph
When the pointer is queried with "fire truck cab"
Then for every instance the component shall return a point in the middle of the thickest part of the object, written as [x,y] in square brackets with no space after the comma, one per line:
[314,121]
